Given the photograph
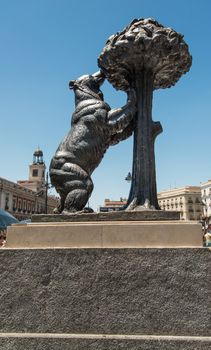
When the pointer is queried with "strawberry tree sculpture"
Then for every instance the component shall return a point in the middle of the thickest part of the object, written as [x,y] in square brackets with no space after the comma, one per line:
[145,56]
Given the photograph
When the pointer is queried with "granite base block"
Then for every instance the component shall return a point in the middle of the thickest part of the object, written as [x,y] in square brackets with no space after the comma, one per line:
[106,291]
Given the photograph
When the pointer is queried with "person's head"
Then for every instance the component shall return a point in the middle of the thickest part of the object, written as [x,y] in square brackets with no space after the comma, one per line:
[3,233]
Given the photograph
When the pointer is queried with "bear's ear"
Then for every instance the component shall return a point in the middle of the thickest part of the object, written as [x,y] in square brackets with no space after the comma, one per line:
[71,84]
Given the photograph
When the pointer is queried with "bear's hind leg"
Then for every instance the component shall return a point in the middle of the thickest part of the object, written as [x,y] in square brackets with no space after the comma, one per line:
[74,186]
[75,200]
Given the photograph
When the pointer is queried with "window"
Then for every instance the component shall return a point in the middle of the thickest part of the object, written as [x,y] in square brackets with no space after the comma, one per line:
[6,207]
[19,205]
[28,207]
[35,172]
[24,206]
[190,200]
[14,204]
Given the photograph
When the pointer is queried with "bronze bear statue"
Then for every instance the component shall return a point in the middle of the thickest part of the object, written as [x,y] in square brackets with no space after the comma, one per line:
[94,127]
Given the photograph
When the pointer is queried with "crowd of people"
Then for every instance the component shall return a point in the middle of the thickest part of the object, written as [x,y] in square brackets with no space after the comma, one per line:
[2,238]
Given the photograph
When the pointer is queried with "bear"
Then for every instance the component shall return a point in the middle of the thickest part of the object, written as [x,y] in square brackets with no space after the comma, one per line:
[94,127]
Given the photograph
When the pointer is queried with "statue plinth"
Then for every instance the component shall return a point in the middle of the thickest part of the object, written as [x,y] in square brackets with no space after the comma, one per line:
[142,215]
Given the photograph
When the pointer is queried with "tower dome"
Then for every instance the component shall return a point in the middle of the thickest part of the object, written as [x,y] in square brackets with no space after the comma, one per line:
[38,153]
[38,156]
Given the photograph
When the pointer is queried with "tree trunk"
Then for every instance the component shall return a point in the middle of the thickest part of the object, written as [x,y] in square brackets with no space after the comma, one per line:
[143,192]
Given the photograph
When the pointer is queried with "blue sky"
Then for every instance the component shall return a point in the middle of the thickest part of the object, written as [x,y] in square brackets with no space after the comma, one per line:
[46,43]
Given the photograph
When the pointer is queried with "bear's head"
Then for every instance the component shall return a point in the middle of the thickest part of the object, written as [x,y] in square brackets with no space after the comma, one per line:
[92,82]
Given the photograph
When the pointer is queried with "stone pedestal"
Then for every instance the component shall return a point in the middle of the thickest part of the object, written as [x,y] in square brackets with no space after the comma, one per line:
[107,234]
[105,298]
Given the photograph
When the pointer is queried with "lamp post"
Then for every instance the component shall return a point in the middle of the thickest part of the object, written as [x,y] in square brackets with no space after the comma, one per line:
[44,192]
[47,187]
[128,178]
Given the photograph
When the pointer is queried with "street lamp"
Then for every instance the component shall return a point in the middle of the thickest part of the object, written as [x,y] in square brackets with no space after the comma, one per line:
[44,191]
[128,177]
[47,186]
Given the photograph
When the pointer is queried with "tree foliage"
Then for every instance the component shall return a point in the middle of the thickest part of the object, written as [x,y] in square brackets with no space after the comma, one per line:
[145,45]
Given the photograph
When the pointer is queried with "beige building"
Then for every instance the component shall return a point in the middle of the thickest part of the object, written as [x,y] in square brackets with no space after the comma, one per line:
[27,197]
[206,197]
[112,205]
[186,200]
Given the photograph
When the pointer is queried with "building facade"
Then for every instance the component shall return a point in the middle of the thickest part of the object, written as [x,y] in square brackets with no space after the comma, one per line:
[27,197]
[110,205]
[187,200]
[206,198]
